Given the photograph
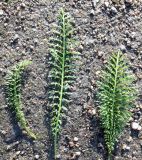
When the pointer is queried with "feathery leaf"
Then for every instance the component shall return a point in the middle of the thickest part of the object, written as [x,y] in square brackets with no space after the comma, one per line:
[61,74]
[116,95]
[14,95]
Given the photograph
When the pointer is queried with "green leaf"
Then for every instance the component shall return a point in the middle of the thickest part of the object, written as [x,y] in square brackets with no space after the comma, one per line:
[115,97]
[14,94]
[62,72]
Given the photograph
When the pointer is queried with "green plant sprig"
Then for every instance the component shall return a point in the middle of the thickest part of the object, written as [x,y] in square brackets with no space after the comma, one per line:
[62,72]
[116,96]
[14,95]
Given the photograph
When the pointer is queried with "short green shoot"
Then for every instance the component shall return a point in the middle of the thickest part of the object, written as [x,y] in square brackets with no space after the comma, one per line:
[14,95]
[62,73]
[116,97]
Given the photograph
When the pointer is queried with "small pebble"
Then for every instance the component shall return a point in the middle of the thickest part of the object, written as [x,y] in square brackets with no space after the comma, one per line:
[95,2]
[92,13]
[36,156]
[106,4]
[80,48]
[122,47]
[1,12]
[141,143]
[129,1]
[139,128]
[71,144]
[16,37]
[77,145]
[130,139]
[78,153]
[18,152]
[136,126]
[75,139]
[98,73]
[3,132]
[92,112]
[58,156]
[100,54]
[140,106]
[36,41]
[125,147]
[113,9]
[23,5]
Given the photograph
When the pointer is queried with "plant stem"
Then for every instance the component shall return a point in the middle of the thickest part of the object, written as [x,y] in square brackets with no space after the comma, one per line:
[110,156]
[62,86]
[55,146]
[113,103]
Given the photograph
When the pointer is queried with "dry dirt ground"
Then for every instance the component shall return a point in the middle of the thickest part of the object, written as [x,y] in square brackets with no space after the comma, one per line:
[101,28]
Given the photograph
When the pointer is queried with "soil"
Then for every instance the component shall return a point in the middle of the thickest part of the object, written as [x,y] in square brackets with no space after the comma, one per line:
[101,28]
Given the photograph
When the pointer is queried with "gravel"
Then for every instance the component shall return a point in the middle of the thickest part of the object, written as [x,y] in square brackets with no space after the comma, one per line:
[1,12]
[136,126]
[101,27]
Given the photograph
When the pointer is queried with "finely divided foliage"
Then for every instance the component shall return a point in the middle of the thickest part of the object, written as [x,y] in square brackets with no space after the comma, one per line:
[116,96]
[62,72]
[14,95]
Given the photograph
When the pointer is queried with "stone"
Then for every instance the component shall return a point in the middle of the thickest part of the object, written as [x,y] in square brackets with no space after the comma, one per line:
[95,2]
[122,47]
[75,139]
[141,143]
[92,112]
[98,73]
[113,9]
[36,41]
[92,13]
[36,156]
[58,156]
[3,132]
[140,106]
[16,37]
[139,128]
[130,139]
[80,48]
[125,147]
[23,5]
[100,54]
[71,144]
[136,126]
[78,153]
[106,4]
[129,1]
[1,12]
[85,106]
[18,152]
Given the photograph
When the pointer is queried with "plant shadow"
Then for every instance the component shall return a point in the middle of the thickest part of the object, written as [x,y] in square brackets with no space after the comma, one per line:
[47,117]
[47,122]
[97,140]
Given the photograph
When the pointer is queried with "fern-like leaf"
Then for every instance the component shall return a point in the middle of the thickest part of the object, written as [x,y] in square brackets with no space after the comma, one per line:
[116,96]
[14,95]
[61,74]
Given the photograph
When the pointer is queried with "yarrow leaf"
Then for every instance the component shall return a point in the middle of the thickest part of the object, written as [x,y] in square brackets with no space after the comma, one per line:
[14,95]
[116,94]
[62,72]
